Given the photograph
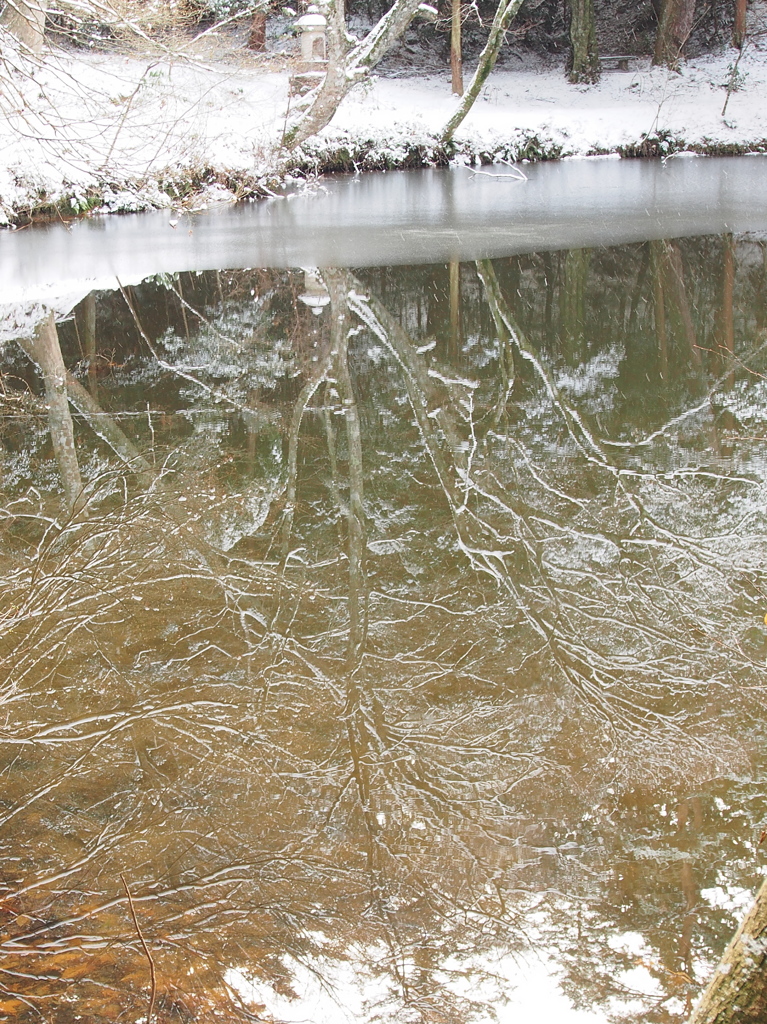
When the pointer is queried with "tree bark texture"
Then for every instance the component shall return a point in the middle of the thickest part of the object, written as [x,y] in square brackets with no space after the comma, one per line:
[739,25]
[456,58]
[676,22]
[503,17]
[737,992]
[584,55]
[25,19]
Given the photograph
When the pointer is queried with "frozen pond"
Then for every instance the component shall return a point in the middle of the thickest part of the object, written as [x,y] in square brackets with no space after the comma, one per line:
[382,625]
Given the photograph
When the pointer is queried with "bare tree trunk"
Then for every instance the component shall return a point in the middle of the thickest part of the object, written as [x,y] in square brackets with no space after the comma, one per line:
[44,350]
[456,59]
[503,17]
[584,56]
[25,19]
[739,26]
[737,992]
[347,66]
[257,37]
[676,23]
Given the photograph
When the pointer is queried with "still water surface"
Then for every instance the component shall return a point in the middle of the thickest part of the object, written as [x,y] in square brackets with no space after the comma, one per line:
[376,640]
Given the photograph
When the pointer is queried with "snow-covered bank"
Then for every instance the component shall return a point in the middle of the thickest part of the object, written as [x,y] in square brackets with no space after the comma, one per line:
[113,132]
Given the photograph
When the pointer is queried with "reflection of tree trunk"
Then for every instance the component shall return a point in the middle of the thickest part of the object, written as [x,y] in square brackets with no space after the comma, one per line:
[584,57]
[295,427]
[728,288]
[737,992]
[330,436]
[671,295]
[505,362]
[690,892]
[676,23]
[44,349]
[25,19]
[85,325]
[455,308]
[357,712]
[675,280]
[577,262]
[339,330]
[252,425]
[656,263]
[456,62]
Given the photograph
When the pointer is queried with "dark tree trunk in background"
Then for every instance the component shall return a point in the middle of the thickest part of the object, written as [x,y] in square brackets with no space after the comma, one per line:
[676,22]
[257,37]
[738,990]
[739,26]
[456,60]
[584,56]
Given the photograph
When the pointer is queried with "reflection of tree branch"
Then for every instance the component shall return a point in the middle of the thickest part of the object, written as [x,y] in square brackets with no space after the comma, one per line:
[105,427]
[152,974]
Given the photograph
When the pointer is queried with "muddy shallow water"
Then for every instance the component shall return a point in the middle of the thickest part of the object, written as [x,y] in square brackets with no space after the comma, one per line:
[386,641]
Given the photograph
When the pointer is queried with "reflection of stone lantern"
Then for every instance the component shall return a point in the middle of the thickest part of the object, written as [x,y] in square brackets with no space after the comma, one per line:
[310,72]
[315,295]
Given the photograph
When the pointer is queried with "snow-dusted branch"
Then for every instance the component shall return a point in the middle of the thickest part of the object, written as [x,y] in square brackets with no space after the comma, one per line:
[504,15]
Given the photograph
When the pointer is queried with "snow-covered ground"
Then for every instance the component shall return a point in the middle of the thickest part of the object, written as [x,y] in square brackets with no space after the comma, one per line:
[122,132]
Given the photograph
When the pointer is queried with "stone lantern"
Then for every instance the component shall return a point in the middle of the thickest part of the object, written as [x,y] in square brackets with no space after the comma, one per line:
[311,69]
[313,26]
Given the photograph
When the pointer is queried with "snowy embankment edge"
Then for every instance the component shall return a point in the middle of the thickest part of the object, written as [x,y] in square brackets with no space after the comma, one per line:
[197,188]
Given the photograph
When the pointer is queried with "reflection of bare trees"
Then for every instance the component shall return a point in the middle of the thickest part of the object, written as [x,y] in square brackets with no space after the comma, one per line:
[452,669]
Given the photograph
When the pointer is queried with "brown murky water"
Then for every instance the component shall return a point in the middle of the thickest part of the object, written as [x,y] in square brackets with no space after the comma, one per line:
[383,629]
